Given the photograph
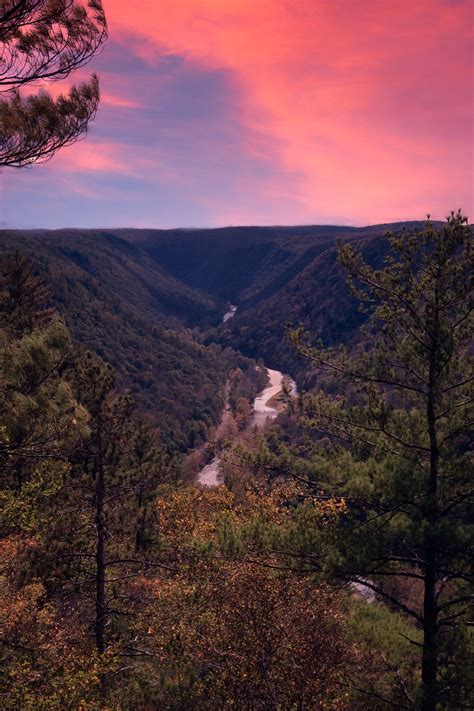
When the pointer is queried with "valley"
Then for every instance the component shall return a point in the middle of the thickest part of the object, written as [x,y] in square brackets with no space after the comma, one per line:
[173,310]
[265,408]
[236,456]
[137,364]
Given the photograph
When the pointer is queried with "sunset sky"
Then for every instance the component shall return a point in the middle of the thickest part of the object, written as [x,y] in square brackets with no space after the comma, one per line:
[219,112]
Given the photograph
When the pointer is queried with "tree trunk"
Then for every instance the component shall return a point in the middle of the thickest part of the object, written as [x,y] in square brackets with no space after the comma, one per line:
[100,611]
[429,667]
[139,532]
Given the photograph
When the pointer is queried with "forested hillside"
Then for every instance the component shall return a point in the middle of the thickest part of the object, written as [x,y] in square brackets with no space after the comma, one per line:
[130,294]
[316,296]
[100,260]
[277,276]
[234,263]
[332,566]
[236,463]
[244,265]
[124,308]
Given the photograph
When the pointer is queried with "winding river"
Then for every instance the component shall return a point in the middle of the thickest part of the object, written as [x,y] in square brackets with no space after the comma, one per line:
[211,474]
[228,314]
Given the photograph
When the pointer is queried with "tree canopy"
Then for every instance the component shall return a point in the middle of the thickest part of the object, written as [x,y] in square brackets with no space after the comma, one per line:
[402,433]
[44,41]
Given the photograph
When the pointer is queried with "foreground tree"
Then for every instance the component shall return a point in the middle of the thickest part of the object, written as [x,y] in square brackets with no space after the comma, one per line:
[96,462]
[44,41]
[40,420]
[107,540]
[235,635]
[230,627]
[406,420]
[45,655]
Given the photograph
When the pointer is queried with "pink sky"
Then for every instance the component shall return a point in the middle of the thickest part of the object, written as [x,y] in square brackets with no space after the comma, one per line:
[268,111]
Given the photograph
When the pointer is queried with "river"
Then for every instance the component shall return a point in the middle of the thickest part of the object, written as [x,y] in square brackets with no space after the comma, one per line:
[230,313]
[262,410]
[211,474]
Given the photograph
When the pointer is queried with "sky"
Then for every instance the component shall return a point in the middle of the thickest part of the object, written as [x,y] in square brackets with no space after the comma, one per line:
[227,112]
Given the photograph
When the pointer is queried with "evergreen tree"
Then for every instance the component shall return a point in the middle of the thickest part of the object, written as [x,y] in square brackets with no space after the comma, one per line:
[40,419]
[108,538]
[406,417]
[44,41]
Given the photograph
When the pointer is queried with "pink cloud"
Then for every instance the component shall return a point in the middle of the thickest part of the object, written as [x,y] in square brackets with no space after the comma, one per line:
[358,110]
[89,156]
[119,101]
[368,100]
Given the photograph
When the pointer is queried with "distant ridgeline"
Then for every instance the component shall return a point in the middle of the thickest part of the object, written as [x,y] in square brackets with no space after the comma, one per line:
[132,296]
[276,276]
[122,305]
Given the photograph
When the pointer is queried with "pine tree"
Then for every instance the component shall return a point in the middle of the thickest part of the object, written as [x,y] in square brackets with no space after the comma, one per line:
[44,41]
[40,420]
[406,418]
[113,480]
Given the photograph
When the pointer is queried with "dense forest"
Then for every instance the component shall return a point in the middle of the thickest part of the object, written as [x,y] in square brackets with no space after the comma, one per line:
[122,295]
[274,275]
[330,570]
[128,311]
[325,559]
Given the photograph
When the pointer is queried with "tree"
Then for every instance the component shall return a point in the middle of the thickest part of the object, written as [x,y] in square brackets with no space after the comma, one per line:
[25,296]
[106,540]
[40,420]
[231,627]
[231,634]
[99,468]
[406,418]
[44,655]
[45,41]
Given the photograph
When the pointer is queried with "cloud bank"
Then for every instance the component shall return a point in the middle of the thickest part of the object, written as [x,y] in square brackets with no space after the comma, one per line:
[267,111]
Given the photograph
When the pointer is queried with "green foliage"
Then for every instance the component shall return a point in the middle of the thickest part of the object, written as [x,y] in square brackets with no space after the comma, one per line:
[25,509]
[122,306]
[405,416]
[44,40]
[77,493]
[39,416]
[120,586]
[391,658]
[40,419]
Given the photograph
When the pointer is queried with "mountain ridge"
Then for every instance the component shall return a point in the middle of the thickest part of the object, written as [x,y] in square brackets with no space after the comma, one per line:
[118,287]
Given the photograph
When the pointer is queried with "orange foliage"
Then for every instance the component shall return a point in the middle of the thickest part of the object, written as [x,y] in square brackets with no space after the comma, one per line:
[237,635]
[46,657]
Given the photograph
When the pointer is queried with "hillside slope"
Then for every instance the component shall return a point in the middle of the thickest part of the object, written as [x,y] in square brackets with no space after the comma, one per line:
[233,263]
[103,258]
[244,265]
[115,302]
[311,290]
[316,296]
[277,276]
[129,295]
